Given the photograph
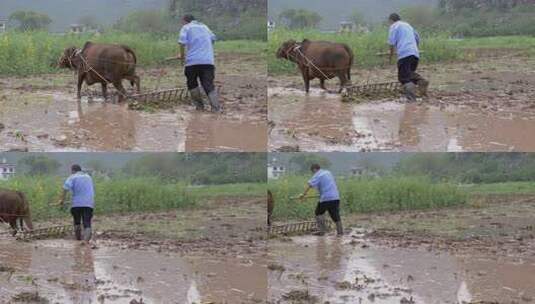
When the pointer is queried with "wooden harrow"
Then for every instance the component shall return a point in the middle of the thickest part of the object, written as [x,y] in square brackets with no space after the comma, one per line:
[45,233]
[370,90]
[161,99]
[295,228]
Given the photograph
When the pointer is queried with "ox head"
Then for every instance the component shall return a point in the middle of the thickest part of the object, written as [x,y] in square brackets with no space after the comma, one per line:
[287,49]
[68,58]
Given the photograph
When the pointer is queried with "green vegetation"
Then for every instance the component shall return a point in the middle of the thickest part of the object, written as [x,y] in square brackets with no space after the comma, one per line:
[126,194]
[368,195]
[502,188]
[365,47]
[25,53]
[299,18]
[30,20]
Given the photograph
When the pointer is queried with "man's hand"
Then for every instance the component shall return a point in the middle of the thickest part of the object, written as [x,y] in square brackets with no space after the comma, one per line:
[61,202]
[301,197]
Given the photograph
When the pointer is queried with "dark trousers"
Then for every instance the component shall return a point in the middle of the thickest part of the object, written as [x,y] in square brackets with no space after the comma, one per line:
[407,70]
[82,214]
[333,207]
[205,73]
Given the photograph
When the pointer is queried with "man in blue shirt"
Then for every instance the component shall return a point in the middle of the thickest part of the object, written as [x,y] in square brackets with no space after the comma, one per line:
[405,40]
[324,182]
[80,184]
[196,48]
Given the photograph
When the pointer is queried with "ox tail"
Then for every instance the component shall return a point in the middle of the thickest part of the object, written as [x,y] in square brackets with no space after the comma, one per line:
[26,211]
[270,206]
[351,60]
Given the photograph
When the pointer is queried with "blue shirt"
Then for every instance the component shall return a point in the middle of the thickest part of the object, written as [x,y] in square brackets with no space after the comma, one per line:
[323,180]
[405,39]
[199,40]
[80,185]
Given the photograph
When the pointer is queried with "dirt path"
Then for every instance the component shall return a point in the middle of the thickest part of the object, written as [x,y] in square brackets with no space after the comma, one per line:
[215,253]
[479,254]
[40,113]
[475,106]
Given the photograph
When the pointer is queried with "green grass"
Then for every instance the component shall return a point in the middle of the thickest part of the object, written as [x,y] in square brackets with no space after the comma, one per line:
[368,195]
[125,195]
[34,52]
[436,47]
[229,190]
[502,188]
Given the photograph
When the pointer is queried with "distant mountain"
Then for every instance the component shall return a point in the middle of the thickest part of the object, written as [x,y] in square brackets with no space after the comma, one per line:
[335,11]
[66,12]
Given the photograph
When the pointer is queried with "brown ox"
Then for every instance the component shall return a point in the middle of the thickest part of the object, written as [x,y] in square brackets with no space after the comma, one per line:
[14,206]
[102,63]
[319,59]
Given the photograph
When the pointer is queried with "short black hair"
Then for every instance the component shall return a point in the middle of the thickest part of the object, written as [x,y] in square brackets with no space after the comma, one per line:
[315,167]
[188,18]
[394,17]
[76,168]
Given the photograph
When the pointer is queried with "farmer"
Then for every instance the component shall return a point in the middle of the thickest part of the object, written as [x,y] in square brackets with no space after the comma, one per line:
[405,40]
[80,184]
[196,47]
[329,201]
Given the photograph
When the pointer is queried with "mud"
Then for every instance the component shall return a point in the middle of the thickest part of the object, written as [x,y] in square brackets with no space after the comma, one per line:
[66,272]
[41,113]
[471,107]
[354,269]
[213,254]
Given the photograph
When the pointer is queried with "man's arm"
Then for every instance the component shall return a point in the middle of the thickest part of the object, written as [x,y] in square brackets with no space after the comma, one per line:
[181,51]
[392,43]
[417,37]
[62,198]
[391,55]
[308,187]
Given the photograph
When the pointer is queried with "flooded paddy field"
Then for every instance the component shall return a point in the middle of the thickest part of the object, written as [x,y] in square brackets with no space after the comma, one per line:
[41,113]
[482,105]
[213,254]
[476,254]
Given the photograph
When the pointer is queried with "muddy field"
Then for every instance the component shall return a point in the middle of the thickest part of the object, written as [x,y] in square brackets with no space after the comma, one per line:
[482,105]
[483,253]
[213,254]
[41,113]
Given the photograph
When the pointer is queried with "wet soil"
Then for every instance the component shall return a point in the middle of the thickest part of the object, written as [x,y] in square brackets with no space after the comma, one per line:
[472,106]
[481,253]
[212,254]
[41,113]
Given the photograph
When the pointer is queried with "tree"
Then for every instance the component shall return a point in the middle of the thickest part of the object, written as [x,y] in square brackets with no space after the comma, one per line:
[422,17]
[301,162]
[152,21]
[299,18]
[97,166]
[358,19]
[30,20]
[39,165]
[89,21]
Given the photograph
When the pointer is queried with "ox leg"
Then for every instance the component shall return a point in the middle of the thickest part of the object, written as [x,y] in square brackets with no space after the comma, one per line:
[81,77]
[137,81]
[343,80]
[322,84]
[104,90]
[122,92]
[13,224]
[307,82]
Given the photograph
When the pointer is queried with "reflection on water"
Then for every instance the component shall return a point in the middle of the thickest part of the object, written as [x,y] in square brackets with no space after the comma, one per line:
[346,270]
[322,122]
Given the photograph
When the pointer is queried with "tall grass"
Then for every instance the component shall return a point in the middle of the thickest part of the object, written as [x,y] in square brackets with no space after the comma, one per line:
[368,195]
[34,52]
[112,196]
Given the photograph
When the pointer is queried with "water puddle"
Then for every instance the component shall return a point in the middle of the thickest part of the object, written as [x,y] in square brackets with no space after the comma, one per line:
[353,270]
[211,132]
[321,122]
[66,272]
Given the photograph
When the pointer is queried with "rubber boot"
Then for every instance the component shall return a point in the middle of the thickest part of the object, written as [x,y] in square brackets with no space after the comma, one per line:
[87,234]
[214,102]
[196,97]
[320,225]
[78,232]
[423,85]
[410,91]
[339,228]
